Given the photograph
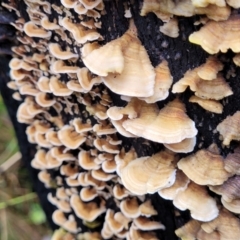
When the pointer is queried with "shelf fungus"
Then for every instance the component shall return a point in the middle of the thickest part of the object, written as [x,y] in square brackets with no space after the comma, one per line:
[229,128]
[218,36]
[198,201]
[216,88]
[125,66]
[205,167]
[208,104]
[157,172]
[170,125]
[187,8]
[232,162]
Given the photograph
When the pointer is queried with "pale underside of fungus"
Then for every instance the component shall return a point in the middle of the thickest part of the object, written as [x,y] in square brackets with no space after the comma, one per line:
[108,110]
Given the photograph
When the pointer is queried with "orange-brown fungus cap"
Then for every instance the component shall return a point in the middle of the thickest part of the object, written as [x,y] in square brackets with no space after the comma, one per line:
[163,82]
[229,128]
[226,225]
[156,172]
[86,211]
[205,167]
[208,104]
[189,230]
[33,31]
[218,36]
[171,125]
[125,62]
[209,70]
[70,138]
[58,53]
[198,201]
[180,184]
[216,89]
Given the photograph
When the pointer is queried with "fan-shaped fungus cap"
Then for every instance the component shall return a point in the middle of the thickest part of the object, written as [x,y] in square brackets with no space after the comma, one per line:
[163,82]
[79,32]
[43,84]
[180,184]
[89,4]
[134,233]
[205,3]
[218,36]
[59,67]
[52,137]
[61,155]
[209,70]
[156,172]
[230,189]
[86,211]
[125,66]
[229,128]
[170,28]
[165,10]
[69,170]
[86,80]
[205,167]
[216,89]
[145,224]
[120,192]
[70,138]
[81,127]
[57,52]
[109,166]
[131,110]
[232,162]
[189,230]
[43,100]
[226,224]
[185,146]
[87,194]
[172,124]
[100,175]
[61,234]
[59,217]
[233,206]
[86,161]
[58,88]
[33,31]
[236,59]
[196,199]
[45,178]
[131,209]
[209,105]
[46,24]
[116,221]
[233,3]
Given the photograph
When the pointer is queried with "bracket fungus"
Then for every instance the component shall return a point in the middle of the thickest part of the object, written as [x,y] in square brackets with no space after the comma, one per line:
[229,128]
[156,172]
[218,36]
[125,66]
[171,125]
[205,167]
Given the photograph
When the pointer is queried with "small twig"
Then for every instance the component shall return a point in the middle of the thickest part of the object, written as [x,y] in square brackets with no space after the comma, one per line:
[18,200]
[10,162]
[4,232]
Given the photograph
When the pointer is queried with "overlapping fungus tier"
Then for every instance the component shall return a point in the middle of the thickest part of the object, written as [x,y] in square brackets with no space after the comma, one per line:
[111,124]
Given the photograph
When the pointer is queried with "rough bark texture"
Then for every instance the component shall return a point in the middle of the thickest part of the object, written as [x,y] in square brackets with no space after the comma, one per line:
[181,56]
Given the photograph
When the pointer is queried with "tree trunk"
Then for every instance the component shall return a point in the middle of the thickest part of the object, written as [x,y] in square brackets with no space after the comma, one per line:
[181,56]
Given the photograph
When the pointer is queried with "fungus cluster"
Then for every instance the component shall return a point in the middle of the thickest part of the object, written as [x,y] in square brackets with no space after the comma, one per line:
[65,74]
